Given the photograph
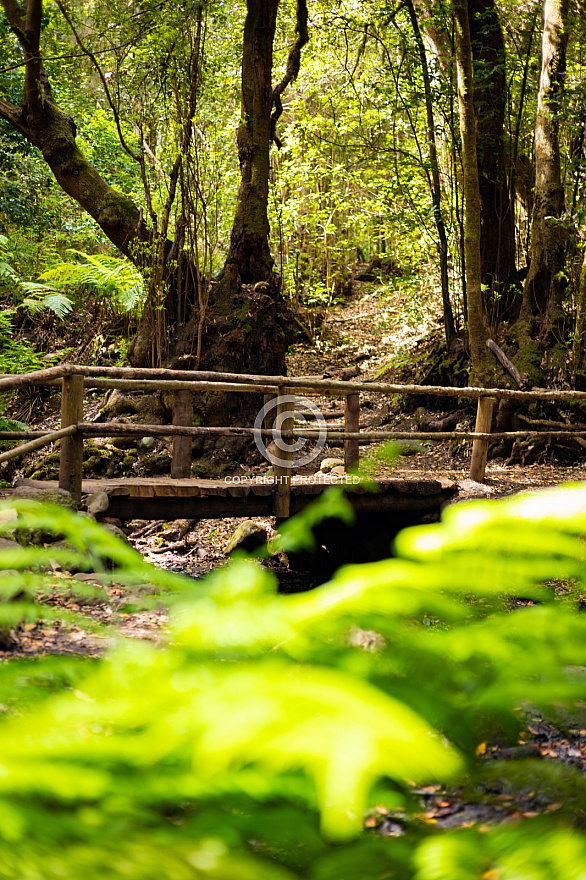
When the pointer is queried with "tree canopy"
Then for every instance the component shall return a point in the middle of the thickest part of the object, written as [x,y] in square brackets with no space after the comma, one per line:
[246,156]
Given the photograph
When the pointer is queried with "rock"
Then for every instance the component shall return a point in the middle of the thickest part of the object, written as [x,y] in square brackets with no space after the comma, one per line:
[120,404]
[147,443]
[141,590]
[408,447]
[248,536]
[7,544]
[179,529]
[112,521]
[31,489]
[350,373]
[97,503]
[124,443]
[114,530]
[329,463]
[469,488]
[338,471]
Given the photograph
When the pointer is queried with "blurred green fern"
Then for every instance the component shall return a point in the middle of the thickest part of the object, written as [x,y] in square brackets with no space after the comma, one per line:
[250,746]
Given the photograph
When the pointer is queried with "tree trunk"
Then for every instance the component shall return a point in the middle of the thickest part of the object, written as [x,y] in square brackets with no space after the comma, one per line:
[246,327]
[477,334]
[497,242]
[249,259]
[580,333]
[449,327]
[544,288]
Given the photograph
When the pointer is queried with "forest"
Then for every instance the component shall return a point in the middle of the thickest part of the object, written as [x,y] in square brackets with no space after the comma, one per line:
[210,186]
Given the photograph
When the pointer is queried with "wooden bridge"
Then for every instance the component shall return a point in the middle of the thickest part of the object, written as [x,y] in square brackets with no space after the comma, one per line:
[283,494]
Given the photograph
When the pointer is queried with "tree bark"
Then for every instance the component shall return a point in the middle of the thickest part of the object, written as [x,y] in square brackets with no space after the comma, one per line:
[544,288]
[497,241]
[580,334]
[472,228]
[449,327]
[246,328]
[47,127]
[249,259]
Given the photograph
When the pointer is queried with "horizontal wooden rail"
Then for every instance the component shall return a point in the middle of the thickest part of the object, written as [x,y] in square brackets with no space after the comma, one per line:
[183,383]
[38,442]
[299,383]
[117,429]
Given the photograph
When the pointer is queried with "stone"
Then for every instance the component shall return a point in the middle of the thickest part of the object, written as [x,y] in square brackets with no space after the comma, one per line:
[147,443]
[7,544]
[249,536]
[329,463]
[31,489]
[141,590]
[408,447]
[112,521]
[338,471]
[114,530]
[124,443]
[119,404]
[97,503]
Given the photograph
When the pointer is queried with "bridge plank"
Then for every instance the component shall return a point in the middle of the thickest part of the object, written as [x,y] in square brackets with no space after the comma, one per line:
[165,498]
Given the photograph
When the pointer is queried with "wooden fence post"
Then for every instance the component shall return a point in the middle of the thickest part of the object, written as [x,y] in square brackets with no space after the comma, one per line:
[283,471]
[71,448]
[182,445]
[352,425]
[480,447]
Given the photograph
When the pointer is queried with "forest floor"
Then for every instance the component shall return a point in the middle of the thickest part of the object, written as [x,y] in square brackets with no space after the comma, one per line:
[362,334]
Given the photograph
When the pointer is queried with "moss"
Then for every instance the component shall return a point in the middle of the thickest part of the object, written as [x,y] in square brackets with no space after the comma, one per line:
[528,361]
[52,458]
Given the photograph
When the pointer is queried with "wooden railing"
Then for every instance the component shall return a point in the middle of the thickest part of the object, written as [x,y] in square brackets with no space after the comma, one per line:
[75,379]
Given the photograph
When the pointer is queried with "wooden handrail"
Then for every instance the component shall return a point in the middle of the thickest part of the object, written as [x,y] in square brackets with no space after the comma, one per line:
[77,377]
[299,383]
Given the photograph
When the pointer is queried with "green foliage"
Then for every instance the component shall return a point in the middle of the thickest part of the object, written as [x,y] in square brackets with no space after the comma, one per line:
[214,756]
[107,278]
[30,295]
[16,355]
[83,545]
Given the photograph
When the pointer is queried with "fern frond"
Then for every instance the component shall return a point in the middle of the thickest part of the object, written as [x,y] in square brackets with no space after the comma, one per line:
[105,275]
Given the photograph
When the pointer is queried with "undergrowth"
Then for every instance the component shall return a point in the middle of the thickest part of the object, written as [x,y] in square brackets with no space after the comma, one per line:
[253,743]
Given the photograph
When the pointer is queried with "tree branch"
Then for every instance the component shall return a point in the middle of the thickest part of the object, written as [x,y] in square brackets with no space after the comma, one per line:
[100,73]
[26,26]
[11,114]
[33,91]
[293,65]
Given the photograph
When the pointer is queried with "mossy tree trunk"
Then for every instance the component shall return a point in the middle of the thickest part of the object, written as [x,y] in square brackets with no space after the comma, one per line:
[580,333]
[249,260]
[246,326]
[46,126]
[434,180]
[544,289]
[477,333]
[497,242]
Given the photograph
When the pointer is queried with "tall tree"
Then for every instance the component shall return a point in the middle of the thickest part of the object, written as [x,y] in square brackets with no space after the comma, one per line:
[449,327]
[545,285]
[472,228]
[497,240]
[245,327]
